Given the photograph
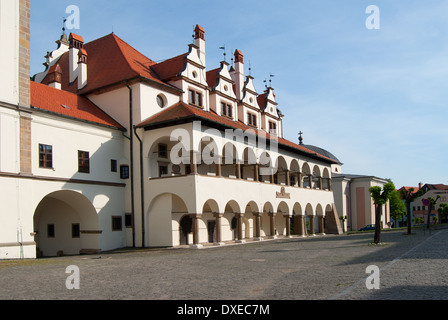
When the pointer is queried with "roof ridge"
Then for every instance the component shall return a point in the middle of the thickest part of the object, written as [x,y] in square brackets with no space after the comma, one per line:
[115,37]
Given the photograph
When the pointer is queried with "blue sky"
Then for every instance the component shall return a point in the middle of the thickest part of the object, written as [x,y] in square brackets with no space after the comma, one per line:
[376,98]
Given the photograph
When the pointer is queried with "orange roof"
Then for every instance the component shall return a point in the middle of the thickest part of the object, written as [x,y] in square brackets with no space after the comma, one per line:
[170,68]
[69,105]
[212,77]
[111,61]
[76,37]
[184,112]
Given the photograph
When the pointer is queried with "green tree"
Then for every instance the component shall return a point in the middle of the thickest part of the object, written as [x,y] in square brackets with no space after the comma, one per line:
[380,197]
[397,207]
[443,210]
[432,203]
[409,196]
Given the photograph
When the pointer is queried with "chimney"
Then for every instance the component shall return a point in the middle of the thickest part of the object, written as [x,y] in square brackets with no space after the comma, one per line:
[420,185]
[75,44]
[82,68]
[199,41]
[238,75]
[55,76]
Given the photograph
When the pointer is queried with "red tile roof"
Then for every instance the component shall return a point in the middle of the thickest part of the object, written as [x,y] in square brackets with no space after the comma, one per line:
[170,68]
[68,104]
[76,37]
[183,111]
[111,61]
[212,77]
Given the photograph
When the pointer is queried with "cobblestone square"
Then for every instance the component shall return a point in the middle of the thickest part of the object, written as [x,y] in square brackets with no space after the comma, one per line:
[326,267]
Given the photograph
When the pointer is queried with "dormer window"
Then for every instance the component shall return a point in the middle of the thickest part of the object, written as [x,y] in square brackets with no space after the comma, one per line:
[272,127]
[251,119]
[195,98]
[226,110]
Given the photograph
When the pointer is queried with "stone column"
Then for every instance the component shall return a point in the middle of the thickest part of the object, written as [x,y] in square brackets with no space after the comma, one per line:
[257,218]
[196,218]
[299,178]
[272,225]
[218,167]
[288,179]
[312,225]
[321,225]
[239,227]
[288,225]
[218,217]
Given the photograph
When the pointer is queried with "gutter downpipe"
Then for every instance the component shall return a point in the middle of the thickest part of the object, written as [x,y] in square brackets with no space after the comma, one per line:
[131,161]
[142,192]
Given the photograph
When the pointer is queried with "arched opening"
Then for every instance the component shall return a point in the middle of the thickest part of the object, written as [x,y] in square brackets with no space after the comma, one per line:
[309,219]
[230,163]
[306,174]
[66,223]
[281,172]
[316,179]
[282,219]
[294,173]
[209,211]
[209,156]
[320,227]
[326,180]
[231,211]
[164,215]
[249,165]
[267,229]
[185,230]
[298,220]
[249,220]
[168,158]
[265,168]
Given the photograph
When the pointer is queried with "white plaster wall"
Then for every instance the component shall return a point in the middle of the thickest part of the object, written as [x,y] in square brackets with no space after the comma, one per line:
[69,136]
[9,51]
[146,102]
[16,222]
[9,140]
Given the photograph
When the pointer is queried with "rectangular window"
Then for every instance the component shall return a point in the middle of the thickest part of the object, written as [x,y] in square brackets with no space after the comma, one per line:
[195,98]
[272,127]
[113,165]
[83,162]
[191,96]
[128,220]
[163,150]
[124,171]
[163,170]
[45,156]
[50,231]
[251,119]
[76,231]
[116,223]
[226,110]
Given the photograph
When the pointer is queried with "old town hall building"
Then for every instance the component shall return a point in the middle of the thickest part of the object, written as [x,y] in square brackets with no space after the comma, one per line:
[107,149]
